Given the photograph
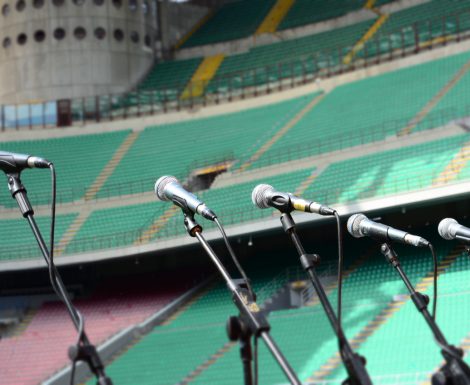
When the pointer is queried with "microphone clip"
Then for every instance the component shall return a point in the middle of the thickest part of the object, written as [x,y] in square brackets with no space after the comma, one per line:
[192,227]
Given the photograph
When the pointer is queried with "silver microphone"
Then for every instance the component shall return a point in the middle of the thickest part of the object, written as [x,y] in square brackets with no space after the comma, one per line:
[360,226]
[449,229]
[167,188]
[264,196]
[11,162]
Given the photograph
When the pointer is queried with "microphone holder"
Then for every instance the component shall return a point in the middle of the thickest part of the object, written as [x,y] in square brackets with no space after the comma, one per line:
[251,321]
[86,351]
[353,362]
[455,371]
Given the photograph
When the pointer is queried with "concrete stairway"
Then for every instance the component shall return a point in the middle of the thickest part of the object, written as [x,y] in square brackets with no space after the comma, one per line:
[111,166]
[435,100]
[382,18]
[202,76]
[72,230]
[455,166]
[274,17]
[157,225]
[291,123]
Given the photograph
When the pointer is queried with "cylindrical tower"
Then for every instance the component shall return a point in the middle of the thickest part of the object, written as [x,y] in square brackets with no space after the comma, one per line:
[57,49]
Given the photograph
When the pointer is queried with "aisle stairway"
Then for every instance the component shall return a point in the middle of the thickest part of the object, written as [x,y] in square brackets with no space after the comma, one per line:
[435,100]
[157,225]
[72,230]
[455,166]
[203,75]
[291,123]
[275,17]
[367,36]
[106,172]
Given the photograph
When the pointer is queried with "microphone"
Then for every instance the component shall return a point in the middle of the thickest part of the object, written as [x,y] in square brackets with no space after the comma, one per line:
[359,226]
[449,229]
[168,188]
[264,196]
[11,162]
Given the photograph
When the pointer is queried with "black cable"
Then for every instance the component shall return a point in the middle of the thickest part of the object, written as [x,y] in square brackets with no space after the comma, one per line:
[340,267]
[56,282]
[434,300]
[234,257]
[81,330]
[256,360]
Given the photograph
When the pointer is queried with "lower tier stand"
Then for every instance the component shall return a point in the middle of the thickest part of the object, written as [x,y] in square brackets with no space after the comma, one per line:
[455,371]
[86,351]
[353,362]
[253,321]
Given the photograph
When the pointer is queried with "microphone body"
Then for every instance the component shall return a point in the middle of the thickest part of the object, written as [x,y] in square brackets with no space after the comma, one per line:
[264,196]
[449,229]
[167,188]
[360,226]
[11,162]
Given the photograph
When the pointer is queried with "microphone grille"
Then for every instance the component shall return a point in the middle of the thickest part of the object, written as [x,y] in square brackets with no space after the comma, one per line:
[160,185]
[445,230]
[354,223]
[258,196]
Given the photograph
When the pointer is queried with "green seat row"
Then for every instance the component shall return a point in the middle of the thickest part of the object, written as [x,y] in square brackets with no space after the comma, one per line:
[369,110]
[78,160]
[384,173]
[233,20]
[180,148]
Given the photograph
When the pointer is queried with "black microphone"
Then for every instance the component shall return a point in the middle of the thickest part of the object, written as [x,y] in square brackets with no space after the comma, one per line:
[449,229]
[360,226]
[264,196]
[168,188]
[11,162]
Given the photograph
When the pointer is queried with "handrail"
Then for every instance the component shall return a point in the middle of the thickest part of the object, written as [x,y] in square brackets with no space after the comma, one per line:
[245,213]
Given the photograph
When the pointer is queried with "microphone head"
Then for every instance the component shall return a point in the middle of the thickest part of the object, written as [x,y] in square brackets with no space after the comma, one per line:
[258,196]
[445,230]
[160,185]
[354,225]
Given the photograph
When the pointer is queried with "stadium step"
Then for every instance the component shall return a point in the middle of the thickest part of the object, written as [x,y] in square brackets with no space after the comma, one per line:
[369,34]
[203,75]
[274,17]
[212,359]
[370,4]
[346,273]
[385,314]
[72,230]
[435,100]
[156,226]
[111,166]
[305,184]
[456,165]
[291,123]
[24,323]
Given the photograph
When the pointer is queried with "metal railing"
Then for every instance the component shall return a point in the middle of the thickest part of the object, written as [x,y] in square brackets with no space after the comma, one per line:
[243,214]
[412,39]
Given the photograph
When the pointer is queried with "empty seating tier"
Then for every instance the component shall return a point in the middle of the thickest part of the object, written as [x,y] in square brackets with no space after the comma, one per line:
[231,21]
[369,110]
[78,160]
[180,148]
[385,173]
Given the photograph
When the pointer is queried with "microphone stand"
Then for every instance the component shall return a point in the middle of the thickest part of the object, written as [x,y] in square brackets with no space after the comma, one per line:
[251,321]
[353,362]
[455,371]
[85,351]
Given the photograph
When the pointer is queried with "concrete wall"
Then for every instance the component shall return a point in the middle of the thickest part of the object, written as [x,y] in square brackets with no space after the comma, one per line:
[71,67]
[176,20]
